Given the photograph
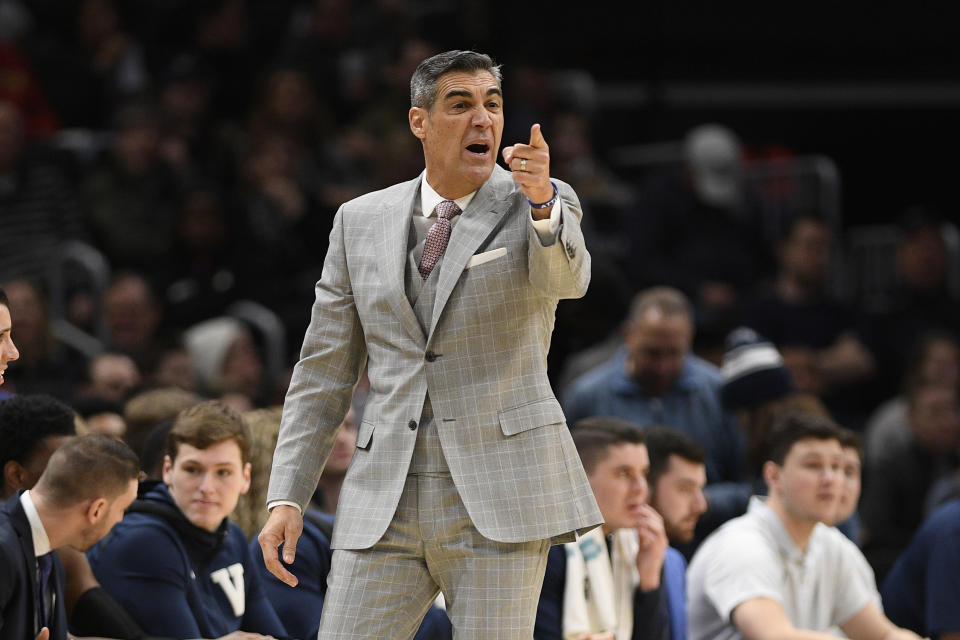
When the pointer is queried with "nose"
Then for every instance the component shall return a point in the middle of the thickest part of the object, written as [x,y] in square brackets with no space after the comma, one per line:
[10,351]
[481,118]
[640,486]
[700,502]
[206,483]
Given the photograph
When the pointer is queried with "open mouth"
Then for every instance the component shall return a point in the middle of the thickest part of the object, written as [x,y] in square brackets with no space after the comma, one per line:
[478,148]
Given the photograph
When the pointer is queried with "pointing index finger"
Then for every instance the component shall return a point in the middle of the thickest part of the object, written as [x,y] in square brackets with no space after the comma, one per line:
[536,137]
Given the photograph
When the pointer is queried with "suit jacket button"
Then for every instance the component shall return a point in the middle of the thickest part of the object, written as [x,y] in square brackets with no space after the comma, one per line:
[412,425]
[431,356]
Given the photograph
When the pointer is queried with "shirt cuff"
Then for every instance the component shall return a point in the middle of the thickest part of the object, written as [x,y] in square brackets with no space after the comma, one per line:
[289,503]
[548,228]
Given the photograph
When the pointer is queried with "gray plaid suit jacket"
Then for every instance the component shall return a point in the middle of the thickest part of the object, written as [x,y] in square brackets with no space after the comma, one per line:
[483,362]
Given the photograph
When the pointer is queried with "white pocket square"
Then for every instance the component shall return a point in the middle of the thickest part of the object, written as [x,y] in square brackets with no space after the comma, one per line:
[486,256]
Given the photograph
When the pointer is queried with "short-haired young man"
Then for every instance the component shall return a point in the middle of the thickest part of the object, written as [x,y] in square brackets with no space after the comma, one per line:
[176,562]
[677,477]
[608,583]
[32,427]
[81,494]
[778,571]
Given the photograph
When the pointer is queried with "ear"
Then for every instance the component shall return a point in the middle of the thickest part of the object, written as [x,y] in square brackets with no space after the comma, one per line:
[167,471]
[246,479]
[771,474]
[13,474]
[96,509]
[418,121]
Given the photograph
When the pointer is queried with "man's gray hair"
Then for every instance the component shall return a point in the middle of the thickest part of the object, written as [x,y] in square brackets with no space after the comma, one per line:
[424,80]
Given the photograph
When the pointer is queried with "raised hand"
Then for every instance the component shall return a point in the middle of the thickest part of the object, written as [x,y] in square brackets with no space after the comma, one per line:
[530,164]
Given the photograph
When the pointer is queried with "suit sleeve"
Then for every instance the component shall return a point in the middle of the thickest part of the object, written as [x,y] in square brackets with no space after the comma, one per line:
[549,623]
[321,386]
[561,270]
[651,620]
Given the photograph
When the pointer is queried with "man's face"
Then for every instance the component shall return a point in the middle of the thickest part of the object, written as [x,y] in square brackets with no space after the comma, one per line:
[113,515]
[804,254]
[934,417]
[850,494]
[810,480]
[460,132]
[24,476]
[678,497]
[619,483]
[206,483]
[657,344]
[8,350]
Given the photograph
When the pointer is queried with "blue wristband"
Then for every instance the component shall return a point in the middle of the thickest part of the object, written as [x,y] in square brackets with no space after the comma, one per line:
[549,203]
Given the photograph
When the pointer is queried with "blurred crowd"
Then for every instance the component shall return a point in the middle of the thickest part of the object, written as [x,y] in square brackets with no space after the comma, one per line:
[169,172]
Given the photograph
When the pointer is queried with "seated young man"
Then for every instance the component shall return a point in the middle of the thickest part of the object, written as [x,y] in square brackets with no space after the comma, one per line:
[607,584]
[176,562]
[778,572]
[677,477]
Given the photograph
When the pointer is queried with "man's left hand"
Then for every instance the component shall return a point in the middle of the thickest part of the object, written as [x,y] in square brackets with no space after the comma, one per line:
[530,164]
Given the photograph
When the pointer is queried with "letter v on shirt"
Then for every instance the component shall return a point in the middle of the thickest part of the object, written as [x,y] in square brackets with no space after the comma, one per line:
[230,580]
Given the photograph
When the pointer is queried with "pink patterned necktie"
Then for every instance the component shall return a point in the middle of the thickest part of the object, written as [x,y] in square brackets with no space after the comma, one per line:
[437,237]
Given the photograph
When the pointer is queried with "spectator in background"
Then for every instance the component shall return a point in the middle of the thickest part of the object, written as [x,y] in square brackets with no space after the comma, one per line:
[169,364]
[698,228]
[114,376]
[131,314]
[201,276]
[609,582]
[902,466]
[777,570]
[816,335]
[38,208]
[677,477]
[921,301]
[46,364]
[100,415]
[130,197]
[226,359]
[935,358]
[922,591]
[655,379]
[149,408]
[198,580]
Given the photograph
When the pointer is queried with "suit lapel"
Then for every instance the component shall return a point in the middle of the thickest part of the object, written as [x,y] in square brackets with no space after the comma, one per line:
[484,212]
[394,232]
[18,518]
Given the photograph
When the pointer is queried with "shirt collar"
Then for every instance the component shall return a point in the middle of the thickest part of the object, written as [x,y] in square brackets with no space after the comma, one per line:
[758,508]
[429,199]
[41,543]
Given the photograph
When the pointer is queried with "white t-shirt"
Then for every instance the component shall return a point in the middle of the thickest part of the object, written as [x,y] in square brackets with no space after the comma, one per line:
[753,556]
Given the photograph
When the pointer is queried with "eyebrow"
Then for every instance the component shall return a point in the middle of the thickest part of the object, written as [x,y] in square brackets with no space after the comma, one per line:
[463,93]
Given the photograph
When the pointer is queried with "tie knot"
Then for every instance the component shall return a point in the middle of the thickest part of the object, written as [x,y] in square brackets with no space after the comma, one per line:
[447,209]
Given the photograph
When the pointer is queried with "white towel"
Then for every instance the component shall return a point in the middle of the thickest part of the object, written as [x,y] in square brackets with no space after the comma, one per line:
[598,592]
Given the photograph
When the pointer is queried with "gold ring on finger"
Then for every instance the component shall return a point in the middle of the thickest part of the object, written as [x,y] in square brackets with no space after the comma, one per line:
[523,164]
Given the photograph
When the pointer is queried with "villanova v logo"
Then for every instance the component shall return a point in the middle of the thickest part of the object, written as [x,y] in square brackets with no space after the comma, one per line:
[230,580]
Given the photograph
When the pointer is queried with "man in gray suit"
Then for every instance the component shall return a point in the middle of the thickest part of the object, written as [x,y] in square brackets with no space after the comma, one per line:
[446,286]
